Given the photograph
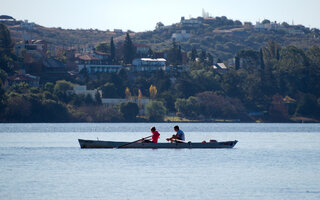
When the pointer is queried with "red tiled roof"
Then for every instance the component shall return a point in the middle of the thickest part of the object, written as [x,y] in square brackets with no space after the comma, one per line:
[101,53]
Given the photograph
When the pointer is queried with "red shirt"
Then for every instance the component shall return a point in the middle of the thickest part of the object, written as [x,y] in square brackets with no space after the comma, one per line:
[155,136]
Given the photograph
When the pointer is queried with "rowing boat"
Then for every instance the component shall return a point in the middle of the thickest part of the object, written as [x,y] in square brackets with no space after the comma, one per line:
[189,145]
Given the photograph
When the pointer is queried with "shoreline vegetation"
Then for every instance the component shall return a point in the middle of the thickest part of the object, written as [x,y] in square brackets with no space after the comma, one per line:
[239,75]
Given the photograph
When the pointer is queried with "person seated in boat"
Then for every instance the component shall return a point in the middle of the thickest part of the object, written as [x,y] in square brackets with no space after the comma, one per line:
[155,136]
[178,136]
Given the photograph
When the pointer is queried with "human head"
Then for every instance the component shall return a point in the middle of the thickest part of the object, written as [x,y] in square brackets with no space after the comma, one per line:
[176,128]
[153,129]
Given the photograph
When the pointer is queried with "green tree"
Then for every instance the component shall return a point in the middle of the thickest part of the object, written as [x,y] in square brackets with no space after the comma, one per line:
[187,107]
[314,58]
[203,56]
[159,25]
[103,47]
[155,111]
[109,90]
[112,51]
[51,111]
[237,62]
[128,50]
[194,54]
[6,57]
[63,86]
[174,54]
[308,106]
[250,59]
[129,110]
[210,59]
[261,59]
[266,21]
[294,71]
[49,87]
[60,90]
[3,96]
[18,109]
[98,98]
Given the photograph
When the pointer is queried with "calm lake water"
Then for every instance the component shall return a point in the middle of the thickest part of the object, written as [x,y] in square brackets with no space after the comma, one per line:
[271,161]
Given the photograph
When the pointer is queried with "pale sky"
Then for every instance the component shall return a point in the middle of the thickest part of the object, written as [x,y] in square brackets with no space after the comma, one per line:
[142,15]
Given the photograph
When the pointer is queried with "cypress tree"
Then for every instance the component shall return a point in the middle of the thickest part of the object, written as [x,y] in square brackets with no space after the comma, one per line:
[179,56]
[5,49]
[237,62]
[128,50]
[112,50]
[194,54]
[261,59]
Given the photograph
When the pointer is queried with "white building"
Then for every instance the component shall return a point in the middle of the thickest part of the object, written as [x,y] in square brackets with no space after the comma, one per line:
[293,31]
[179,37]
[220,66]
[117,30]
[95,64]
[82,90]
[28,25]
[267,27]
[190,22]
[149,64]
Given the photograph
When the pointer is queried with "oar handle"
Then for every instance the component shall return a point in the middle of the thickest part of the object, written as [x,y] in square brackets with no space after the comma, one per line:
[183,141]
[134,141]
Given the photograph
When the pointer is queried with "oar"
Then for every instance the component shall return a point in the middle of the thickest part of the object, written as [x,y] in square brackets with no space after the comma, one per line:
[182,141]
[133,142]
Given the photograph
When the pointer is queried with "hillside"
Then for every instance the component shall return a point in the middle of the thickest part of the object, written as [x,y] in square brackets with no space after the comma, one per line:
[223,38]
[220,36]
[60,37]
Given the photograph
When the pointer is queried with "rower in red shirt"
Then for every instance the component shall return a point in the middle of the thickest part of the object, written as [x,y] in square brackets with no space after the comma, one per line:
[155,135]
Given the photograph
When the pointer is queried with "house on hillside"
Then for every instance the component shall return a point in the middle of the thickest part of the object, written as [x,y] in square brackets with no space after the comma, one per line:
[31,46]
[267,27]
[32,81]
[190,23]
[220,67]
[95,63]
[118,31]
[148,64]
[180,37]
[27,25]
[82,90]
[105,57]
[34,53]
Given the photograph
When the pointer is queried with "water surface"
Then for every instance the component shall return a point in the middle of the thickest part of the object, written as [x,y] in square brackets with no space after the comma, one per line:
[271,161]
